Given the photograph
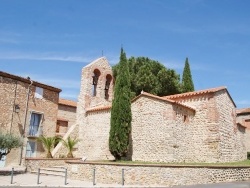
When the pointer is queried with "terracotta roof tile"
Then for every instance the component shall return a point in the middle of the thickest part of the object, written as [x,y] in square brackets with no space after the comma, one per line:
[243,111]
[163,99]
[67,102]
[98,108]
[195,93]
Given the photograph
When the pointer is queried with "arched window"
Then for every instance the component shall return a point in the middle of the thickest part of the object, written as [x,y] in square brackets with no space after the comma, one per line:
[95,78]
[107,85]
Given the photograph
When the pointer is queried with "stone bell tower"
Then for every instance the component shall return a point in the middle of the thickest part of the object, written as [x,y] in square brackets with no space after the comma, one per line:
[96,92]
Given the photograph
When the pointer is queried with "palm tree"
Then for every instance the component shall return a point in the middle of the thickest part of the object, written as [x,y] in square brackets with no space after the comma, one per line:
[48,144]
[69,144]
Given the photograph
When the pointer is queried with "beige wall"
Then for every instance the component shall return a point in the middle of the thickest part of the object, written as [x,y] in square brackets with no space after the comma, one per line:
[231,136]
[241,119]
[15,92]
[95,139]
[155,175]
[159,133]
[89,133]
[152,175]
[68,113]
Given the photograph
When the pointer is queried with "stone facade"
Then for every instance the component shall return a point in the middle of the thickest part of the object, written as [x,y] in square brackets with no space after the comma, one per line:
[190,127]
[243,119]
[66,116]
[94,93]
[37,114]
[155,175]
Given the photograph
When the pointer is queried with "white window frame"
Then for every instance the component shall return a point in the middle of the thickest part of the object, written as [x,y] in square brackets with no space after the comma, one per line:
[39,131]
[39,92]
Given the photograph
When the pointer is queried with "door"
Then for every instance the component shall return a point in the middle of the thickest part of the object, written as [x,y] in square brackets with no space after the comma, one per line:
[35,120]
[31,149]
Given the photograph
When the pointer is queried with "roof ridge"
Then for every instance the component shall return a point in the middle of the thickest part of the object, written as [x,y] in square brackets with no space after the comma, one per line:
[67,102]
[28,80]
[163,99]
[97,108]
[193,93]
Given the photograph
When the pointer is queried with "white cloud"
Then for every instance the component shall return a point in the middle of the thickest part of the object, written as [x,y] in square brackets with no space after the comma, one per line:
[45,56]
[55,82]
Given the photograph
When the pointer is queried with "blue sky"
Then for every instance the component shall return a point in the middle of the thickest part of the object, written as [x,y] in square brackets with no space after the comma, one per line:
[51,41]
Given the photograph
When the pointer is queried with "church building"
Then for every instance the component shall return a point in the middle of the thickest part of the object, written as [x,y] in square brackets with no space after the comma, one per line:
[197,126]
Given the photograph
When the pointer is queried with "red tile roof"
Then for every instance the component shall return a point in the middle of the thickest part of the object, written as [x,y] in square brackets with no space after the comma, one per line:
[195,93]
[243,111]
[67,102]
[200,92]
[162,99]
[98,108]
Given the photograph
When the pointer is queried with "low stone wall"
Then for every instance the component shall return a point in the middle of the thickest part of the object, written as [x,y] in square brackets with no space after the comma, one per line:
[32,164]
[152,175]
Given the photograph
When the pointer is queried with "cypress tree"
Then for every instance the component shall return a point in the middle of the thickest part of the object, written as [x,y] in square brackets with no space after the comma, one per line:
[187,82]
[121,112]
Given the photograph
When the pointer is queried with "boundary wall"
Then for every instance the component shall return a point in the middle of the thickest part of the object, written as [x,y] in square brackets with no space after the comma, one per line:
[144,174]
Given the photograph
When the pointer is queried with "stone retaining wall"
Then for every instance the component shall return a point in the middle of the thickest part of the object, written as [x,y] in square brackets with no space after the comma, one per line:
[32,164]
[152,175]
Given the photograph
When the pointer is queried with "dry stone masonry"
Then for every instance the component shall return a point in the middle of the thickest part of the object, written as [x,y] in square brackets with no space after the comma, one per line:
[190,127]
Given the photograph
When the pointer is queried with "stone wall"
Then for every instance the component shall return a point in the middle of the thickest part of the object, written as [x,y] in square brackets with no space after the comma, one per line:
[95,138]
[162,130]
[68,113]
[244,119]
[216,129]
[86,100]
[62,151]
[160,133]
[155,175]
[231,136]
[14,92]
[32,164]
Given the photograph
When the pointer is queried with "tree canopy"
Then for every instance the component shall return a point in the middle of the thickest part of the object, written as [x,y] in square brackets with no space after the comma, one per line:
[8,142]
[121,112]
[187,81]
[150,76]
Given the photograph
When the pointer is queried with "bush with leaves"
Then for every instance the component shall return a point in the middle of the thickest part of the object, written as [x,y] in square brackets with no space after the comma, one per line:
[48,144]
[8,142]
[70,144]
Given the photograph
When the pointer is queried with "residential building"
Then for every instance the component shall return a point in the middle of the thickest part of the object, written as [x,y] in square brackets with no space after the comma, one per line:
[66,116]
[28,109]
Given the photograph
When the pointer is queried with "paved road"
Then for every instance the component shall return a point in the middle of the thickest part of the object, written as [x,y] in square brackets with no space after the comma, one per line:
[244,184]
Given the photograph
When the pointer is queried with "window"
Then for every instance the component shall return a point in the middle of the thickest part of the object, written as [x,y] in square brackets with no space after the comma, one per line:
[185,119]
[95,77]
[107,84]
[39,93]
[35,121]
[31,149]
